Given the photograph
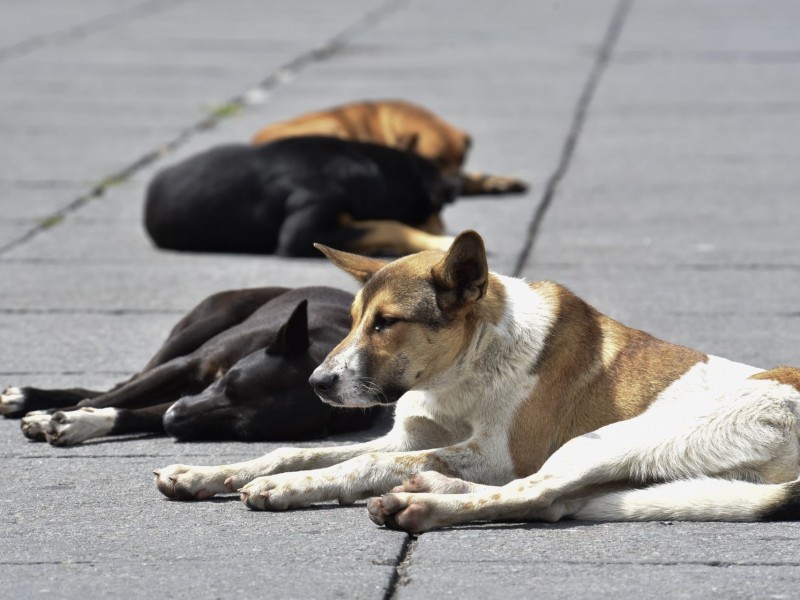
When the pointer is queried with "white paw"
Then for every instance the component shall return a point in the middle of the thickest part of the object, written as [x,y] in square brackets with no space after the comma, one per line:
[183,482]
[76,426]
[277,492]
[33,425]
[12,400]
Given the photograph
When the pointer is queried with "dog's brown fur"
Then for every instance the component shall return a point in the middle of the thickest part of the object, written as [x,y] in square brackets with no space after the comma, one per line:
[497,379]
[401,125]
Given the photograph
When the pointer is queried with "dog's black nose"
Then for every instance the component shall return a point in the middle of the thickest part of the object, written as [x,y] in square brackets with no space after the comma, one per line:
[322,382]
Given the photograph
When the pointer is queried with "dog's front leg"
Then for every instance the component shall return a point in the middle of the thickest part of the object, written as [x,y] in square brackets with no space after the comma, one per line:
[372,473]
[185,482]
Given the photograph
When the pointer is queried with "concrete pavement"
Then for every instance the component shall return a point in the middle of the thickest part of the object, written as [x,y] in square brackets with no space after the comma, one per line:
[661,139]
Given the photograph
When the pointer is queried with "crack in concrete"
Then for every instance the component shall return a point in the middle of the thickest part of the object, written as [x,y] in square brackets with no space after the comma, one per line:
[86,29]
[89,373]
[36,563]
[280,76]
[90,311]
[673,266]
[400,576]
[613,31]
[644,563]
[81,456]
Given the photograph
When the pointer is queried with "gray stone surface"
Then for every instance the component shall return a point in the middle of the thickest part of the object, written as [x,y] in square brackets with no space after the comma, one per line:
[677,214]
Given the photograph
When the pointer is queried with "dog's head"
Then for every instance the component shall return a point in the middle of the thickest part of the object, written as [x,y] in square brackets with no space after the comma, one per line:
[441,143]
[412,320]
[259,397]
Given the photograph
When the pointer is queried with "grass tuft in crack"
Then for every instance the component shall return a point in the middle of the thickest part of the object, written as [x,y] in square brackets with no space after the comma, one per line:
[51,221]
[226,111]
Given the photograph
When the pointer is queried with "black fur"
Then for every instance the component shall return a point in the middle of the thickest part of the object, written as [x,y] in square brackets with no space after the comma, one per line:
[283,196]
[788,509]
[236,367]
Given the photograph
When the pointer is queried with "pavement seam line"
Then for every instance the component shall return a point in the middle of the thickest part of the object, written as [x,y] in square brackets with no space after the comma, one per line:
[400,575]
[85,29]
[239,102]
[613,31]
[91,311]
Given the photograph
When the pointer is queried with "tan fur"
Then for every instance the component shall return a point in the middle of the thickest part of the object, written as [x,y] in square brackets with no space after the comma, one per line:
[393,123]
[786,375]
[399,292]
[594,371]
[397,238]
[400,125]
[495,378]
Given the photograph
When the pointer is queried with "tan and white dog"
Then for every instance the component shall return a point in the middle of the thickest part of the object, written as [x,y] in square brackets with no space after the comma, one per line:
[521,401]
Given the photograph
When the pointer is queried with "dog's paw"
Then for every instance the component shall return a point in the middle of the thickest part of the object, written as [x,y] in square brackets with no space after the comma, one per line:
[33,425]
[76,426]
[269,493]
[408,512]
[183,482]
[499,184]
[12,402]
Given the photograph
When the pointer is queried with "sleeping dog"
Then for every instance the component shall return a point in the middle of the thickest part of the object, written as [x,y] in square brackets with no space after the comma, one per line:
[521,401]
[401,125]
[235,367]
[283,196]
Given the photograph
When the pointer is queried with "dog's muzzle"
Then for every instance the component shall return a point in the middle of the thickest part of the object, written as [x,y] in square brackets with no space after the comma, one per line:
[325,384]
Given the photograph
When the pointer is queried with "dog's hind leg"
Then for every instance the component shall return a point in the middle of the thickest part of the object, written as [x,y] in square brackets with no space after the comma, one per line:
[304,228]
[394,237]
[164,383]
[702,499]
[751,435]
[213,315]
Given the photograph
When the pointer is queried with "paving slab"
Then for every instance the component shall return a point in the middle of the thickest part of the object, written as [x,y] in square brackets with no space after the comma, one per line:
[227,548]
[591,560]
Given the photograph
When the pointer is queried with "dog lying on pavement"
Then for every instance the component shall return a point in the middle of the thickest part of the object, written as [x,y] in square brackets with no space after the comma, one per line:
[235,367]
[521,401]
[283,196]
[400,125]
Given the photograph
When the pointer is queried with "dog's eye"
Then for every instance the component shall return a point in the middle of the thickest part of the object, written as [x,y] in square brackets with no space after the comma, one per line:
[382,322]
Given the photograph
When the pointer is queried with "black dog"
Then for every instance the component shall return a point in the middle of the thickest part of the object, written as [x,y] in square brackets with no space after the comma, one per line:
[236,367]
[283,196]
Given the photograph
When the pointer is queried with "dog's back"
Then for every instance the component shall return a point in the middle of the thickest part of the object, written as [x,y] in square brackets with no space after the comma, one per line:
[393,123]
[264,394]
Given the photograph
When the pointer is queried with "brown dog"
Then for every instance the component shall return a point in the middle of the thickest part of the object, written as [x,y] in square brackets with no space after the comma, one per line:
[401,125]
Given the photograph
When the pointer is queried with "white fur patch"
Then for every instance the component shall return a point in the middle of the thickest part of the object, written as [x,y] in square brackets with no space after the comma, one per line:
[33,424]
[76,426]
[11,400]
[703,499]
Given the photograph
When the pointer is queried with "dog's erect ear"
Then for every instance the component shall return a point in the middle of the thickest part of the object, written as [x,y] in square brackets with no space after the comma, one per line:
[292,339]
[462,275]
[407,142]
[360,267]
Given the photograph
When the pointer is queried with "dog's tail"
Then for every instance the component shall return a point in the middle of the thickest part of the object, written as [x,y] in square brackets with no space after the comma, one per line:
[696,500]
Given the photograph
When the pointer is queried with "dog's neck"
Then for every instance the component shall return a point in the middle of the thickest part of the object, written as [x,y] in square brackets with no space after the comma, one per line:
[510,327]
